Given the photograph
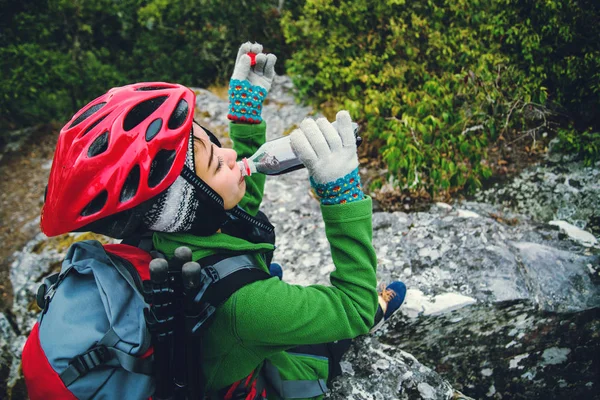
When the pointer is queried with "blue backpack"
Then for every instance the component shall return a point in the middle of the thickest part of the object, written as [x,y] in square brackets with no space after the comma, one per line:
[92,339]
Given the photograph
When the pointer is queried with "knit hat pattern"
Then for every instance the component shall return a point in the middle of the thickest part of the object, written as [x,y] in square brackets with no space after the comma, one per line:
[175,209]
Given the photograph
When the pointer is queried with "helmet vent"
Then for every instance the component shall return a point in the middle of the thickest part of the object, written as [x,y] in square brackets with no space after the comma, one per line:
[142,111]
[153,129]
[95,205]
[149,88]
[99,145]
[161,165]
[179,115]
[131,184]
[87,113]
[92,126]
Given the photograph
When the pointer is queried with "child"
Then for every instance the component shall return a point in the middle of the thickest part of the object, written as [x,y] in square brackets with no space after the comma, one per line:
[133,161]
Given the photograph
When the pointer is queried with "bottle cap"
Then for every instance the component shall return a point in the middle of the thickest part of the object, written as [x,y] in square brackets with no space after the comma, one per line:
[244,167]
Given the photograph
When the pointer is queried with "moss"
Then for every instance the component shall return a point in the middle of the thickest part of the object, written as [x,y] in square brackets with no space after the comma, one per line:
[55,267]
[33,307]
[221,91]
[61,243]
[290,130]
[18,390]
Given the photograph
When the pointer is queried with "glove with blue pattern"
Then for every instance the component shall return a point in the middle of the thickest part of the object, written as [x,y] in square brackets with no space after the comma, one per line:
[251,80]
[330,157]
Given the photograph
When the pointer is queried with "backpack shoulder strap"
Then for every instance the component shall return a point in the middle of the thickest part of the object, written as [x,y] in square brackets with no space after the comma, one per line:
[229,275]
[221,277]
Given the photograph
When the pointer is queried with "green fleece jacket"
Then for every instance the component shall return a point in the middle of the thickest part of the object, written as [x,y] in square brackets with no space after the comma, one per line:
[263,319]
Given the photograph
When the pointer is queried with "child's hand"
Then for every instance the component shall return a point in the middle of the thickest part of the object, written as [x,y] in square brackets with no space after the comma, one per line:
[261,73]
[250,82]
[330,157]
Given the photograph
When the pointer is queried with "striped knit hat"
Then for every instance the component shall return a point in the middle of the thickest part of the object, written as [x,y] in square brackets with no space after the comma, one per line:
[183,208]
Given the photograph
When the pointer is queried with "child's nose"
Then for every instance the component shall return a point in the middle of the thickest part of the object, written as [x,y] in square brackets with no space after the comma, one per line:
[231,158]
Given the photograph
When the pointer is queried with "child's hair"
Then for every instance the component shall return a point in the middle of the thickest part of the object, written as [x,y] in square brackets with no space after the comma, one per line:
[124,164]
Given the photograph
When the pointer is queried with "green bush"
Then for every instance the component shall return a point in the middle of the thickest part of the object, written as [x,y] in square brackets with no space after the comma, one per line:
[437,82]
[586,145]
[56,55]
[434,80]
[558,43]
[196,43]
[51,65]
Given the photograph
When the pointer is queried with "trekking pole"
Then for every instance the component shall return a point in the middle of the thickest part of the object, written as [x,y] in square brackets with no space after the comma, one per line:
[197,312]
[191,275]
[181,256]
[159,319]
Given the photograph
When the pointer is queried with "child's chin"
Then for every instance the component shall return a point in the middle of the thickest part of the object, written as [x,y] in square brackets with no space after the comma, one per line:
[234,204]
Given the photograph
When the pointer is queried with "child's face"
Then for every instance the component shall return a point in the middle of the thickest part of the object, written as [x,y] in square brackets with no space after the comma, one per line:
[218,168]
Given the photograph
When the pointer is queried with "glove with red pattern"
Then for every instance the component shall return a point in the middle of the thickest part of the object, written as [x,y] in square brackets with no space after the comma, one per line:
[251,80]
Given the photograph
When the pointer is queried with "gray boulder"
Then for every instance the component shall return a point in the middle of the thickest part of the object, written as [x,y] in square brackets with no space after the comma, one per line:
[507,350]
[373,370]
[559,188]
[500,304]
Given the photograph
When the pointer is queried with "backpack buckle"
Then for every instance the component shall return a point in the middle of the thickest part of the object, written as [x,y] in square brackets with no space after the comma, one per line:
[40,297]
[92,358]
[46,291]
[48,297]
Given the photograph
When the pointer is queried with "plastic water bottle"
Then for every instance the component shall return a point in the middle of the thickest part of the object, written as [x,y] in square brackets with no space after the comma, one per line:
[276,157]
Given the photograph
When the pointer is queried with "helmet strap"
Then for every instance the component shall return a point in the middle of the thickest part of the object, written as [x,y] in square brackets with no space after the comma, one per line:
[206,195]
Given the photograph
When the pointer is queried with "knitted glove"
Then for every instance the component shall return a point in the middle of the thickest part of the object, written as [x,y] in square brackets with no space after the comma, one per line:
[251,80]
[330,157]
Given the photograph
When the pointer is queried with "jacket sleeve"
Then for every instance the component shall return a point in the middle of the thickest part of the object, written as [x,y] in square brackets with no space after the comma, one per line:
[274,313]
[247,138]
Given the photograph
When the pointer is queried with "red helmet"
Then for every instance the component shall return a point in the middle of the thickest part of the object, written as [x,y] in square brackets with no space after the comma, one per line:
[119,151]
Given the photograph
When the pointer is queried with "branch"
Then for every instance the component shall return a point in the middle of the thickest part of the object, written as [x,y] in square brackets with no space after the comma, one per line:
[531,132]
[411,129]
[509,114]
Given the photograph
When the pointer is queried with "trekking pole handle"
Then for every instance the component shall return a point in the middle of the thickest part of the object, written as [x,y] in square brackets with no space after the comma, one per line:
[159,270]
[192,276]
[181,255]
[184,254]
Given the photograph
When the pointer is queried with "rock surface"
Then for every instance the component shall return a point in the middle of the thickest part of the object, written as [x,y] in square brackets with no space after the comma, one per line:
[480,277]
[508,350]
[558,189]
[575,233]
[374,370]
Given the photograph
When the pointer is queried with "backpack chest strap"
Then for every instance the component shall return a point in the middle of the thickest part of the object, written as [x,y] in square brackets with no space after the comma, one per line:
[104,353]
[228,266]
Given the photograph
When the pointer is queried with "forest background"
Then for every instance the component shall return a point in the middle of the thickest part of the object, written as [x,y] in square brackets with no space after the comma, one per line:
[449,93]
